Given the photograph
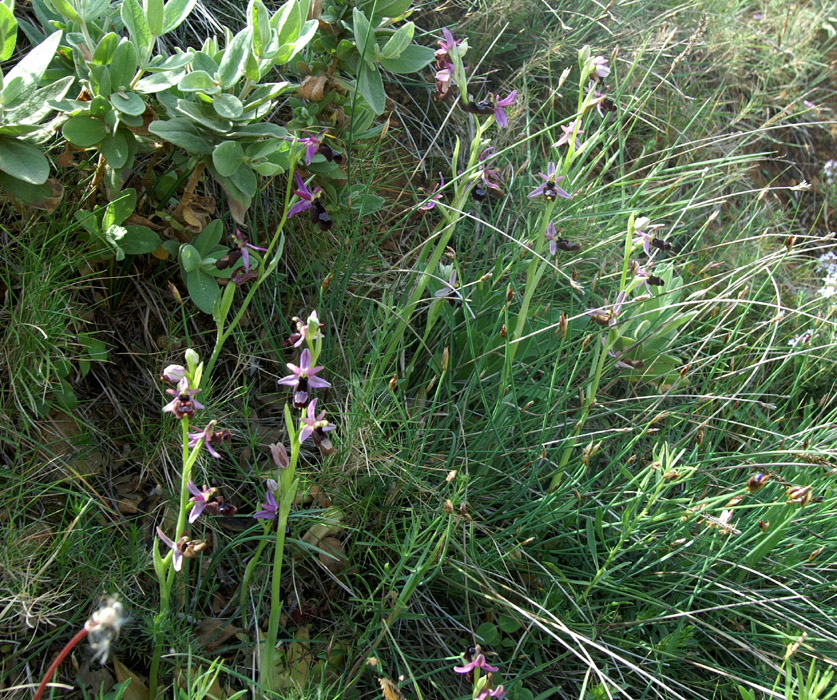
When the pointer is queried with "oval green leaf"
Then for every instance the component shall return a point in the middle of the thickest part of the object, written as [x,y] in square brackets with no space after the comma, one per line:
[203,289]
[128,103]
[23,161]
[84,132]
[228,157]
[228,106]
[198,81]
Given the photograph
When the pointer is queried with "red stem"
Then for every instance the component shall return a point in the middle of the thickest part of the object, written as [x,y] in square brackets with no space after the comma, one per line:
[54,665]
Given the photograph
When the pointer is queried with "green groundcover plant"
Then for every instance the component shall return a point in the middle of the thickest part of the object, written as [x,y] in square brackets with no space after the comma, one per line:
[559,424]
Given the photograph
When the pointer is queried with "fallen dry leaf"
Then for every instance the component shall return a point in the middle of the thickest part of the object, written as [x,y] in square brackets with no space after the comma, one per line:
[312,87]
[333,555]
[331,524]
[136,690]
[213,632]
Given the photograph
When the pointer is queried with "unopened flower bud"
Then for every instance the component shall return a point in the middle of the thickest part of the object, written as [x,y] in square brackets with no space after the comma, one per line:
[173,373]
[393,382]
[314,326]
[272,486]
[563,325]
[445,359]
[192,359]
[279,455]
[175,292]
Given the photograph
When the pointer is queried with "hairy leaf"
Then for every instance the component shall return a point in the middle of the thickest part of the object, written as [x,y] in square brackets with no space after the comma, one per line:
[23,161]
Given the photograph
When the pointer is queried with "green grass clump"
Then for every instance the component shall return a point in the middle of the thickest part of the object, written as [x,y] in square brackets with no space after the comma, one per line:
[599,530]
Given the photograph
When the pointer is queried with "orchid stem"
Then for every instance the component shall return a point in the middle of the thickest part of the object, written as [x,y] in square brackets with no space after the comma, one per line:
[445,231]
[288,487]
[589,400]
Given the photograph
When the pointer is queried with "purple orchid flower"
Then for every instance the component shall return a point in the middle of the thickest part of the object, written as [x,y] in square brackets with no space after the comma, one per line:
[315,425]
[269,510]
[646,276]
[183,404]
[594,97]
[601,70]
[477,662]
[449,288]
[443,82]
[571,132]
[306,196]
[199,498]
[489,176]
[303,330]
[210,437]
[445,68]
[302,378]
[625,363]
[434,195]
[642,236]
[606,315]
[310,201]
[500,112]
[176,548]
[552,236]
[312,143]
[498,692]
[315,145]
[549,189]
[446,44]
[245,248]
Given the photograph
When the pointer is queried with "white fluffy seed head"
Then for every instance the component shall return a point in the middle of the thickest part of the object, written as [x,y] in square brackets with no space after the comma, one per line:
[103,627]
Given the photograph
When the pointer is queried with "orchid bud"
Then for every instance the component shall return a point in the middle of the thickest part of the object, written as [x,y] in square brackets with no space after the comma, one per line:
[173,373]
[279,455]
[192,359]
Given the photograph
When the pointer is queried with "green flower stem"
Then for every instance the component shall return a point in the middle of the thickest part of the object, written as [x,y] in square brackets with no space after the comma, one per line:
[448,226]
[537,267]
[288,485]
[248,574]
[153,674]
[599,357]
[189,459]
